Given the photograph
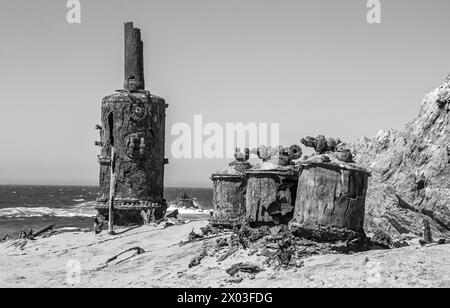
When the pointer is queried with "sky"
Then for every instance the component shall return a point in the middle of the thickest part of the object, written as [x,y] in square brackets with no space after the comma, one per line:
[313,66]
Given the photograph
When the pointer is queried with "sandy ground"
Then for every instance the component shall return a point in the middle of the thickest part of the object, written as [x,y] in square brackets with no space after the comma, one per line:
[78,260]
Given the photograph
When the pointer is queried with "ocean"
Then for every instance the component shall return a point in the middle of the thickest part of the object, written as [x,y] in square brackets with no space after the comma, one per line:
[33,207]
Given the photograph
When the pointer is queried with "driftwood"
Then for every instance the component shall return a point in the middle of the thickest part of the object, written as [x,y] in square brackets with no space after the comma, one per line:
[194,236]
[196,261]
[112,191]
[5,238]
[139,251]
[227,254]
[203,238]
[43,230]
[243,267]
[427,236]
[22,239]
[19,244]
[26,235]
[99,222]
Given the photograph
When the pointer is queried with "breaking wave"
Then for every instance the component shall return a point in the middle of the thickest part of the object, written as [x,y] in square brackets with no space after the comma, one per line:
[80,210]
[186,210]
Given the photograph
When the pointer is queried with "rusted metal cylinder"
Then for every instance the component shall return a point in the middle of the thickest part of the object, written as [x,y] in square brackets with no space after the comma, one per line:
[133,122]
[230,187]
[270,194]
[134,59]
[330,202]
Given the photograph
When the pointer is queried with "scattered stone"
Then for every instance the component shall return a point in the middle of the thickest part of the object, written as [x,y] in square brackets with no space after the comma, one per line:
[383,239]
[235,280]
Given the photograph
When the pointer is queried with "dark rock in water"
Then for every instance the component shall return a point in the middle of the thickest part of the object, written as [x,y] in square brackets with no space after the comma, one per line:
[186,202]
[411,171]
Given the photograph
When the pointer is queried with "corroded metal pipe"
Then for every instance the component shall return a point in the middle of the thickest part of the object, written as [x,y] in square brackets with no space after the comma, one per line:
[134,59]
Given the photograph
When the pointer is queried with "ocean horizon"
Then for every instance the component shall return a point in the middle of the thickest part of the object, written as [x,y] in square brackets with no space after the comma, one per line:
[72,206]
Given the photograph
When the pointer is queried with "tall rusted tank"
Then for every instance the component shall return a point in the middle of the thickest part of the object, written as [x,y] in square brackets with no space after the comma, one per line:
[133,123]
[330,202]
[230,188]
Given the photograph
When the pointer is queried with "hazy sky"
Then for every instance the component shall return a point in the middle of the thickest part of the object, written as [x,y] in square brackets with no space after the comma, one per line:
[316,67]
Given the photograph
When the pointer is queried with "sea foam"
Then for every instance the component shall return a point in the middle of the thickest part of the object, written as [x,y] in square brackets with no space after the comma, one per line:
[80,210]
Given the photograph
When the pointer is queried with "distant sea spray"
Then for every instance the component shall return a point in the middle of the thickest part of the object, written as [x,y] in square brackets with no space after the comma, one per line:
[85,209]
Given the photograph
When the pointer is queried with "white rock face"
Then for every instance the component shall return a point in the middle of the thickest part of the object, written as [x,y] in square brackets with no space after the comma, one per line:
[410,171]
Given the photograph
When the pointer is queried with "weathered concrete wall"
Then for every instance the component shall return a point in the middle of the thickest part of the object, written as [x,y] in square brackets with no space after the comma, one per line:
[329,195]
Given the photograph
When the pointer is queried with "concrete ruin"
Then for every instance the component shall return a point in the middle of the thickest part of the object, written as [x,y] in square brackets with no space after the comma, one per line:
[133,128]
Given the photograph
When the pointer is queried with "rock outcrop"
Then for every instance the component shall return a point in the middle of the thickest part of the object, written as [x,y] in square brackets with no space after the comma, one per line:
[410,171]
